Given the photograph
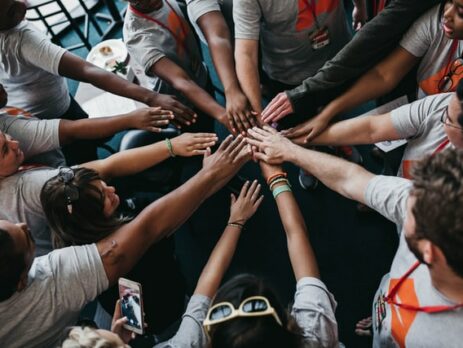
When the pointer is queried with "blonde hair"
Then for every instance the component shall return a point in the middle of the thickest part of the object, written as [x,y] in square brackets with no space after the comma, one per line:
[87,338]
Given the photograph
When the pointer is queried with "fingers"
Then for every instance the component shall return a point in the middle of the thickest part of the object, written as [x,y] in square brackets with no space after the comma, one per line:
[233,124]
[270,129]
[251,117]
[233,199]
[244,190]
[269,112]
[253,142]
[254,191]
[261,157]
[239,145]
[226,143]
[207,152]
[117,310]
[257,134]
[258,202]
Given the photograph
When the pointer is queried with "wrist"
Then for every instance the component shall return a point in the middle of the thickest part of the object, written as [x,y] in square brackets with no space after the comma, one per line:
[150,98]
[232,90]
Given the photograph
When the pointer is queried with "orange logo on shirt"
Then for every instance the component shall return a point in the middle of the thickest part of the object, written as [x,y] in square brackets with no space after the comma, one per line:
[12,111]
[437,84]
[402,319]
[407,166]
[305,16]
[178,26]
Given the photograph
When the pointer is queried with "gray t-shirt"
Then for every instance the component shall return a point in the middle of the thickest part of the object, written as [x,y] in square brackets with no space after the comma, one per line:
[60,284]
[29,72]
[21,203]
[419,122]
[284,27]
[38,139]
[198,8]
[426,39]
[400,327]
[148,42]
[313,310]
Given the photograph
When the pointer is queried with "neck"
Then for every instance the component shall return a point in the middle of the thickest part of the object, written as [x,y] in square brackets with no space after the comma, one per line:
[447,283]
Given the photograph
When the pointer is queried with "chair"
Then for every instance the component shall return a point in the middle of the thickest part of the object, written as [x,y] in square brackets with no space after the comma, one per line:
[42,15]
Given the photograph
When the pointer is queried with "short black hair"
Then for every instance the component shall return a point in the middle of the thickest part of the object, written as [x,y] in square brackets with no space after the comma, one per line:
[12,265]
[460,99]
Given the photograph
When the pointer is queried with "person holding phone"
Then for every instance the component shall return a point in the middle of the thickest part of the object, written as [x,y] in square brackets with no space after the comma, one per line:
[80,273]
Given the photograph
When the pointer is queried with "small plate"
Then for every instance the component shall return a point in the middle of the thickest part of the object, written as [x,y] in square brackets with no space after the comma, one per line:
[106,53]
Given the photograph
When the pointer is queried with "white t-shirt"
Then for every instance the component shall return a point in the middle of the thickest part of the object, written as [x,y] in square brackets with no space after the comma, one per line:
[313,310]
[400,327]
[284,27]
[426,39]
[420,123]
[148,42]
[29,72]
[198,8]
[60,285]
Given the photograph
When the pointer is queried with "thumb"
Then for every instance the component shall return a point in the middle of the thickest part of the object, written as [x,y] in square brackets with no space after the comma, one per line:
[261,157]
[233,199]
[117,311]
[207,153]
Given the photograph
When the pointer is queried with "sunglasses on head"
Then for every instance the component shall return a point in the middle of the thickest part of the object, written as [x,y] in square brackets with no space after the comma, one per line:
[255,306]
[71,192]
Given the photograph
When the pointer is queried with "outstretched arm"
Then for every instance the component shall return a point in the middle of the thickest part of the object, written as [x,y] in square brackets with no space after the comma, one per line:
[346,178]
[242,209]
[178,78]
[122,249]
[76,68]
[300,251]
[134,161]
[150,119]
[217,35]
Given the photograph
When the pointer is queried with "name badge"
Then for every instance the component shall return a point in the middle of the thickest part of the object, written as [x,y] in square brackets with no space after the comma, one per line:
[320,38]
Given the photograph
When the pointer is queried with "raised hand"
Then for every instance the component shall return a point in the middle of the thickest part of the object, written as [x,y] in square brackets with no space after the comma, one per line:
[279,107]
[245,206]
[239,114]
[117,325]
[192,144]
[308,130]
[151,119]
[183,116]
[273,147]
[228,158]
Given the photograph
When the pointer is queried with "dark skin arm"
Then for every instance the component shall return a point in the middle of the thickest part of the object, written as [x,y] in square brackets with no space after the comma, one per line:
[121,250]
[146,118]
[76,68]
[217,35]
[178,78]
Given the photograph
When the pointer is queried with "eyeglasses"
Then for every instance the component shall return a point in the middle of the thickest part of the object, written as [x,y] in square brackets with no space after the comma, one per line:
[255,306]
[445,119]
[71,191]
[447,83]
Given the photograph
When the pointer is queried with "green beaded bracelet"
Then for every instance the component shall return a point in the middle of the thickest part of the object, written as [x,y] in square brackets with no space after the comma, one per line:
[278,181]
[170,147]
[281,189]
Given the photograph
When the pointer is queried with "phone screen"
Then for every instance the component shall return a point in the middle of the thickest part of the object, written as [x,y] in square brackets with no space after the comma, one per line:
[131,304]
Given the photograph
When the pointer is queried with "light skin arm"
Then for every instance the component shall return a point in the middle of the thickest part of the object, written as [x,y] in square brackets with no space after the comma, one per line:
[217,35]
[346,178]
[173,74]
[359,130]
[136,160]
[300,250]
[242,208]
[378,81]
[76,68]
[246,57]
[122,249]
[146,118]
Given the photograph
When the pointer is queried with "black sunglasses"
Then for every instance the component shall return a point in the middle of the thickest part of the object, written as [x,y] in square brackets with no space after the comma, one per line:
[71,191]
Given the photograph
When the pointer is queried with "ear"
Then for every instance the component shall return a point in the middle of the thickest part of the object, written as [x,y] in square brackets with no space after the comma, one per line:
[429,251]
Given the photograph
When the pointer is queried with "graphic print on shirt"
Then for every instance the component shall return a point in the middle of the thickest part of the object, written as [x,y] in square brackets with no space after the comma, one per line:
[445,80]
[306,11]
[178,26]
[402,319]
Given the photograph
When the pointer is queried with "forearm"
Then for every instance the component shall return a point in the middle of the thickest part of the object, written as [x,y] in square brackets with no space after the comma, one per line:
[341,176]
[131,161]
[218,262]
[122,250]
[300,251]
[93,128]
[248,76]
[199,97]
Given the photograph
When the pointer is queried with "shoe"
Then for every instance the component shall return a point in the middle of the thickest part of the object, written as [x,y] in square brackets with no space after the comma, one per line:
[307,181]
[349,153]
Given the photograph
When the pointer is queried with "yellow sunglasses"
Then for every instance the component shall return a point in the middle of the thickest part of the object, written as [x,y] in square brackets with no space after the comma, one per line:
[255,306]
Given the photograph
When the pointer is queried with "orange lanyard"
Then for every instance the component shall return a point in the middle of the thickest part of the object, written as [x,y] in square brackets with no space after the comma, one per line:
[390,298]
[182,25]
[313,9]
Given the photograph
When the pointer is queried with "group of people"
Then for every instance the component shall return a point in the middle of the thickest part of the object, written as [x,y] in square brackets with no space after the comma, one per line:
[64,242]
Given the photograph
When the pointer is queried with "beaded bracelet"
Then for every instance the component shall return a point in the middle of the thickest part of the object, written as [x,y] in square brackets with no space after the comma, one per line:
[281,189]
[277,175]
[170,147]
[277,181]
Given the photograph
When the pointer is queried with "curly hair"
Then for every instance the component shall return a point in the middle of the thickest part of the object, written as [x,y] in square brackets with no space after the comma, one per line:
[438,208]
[87,338]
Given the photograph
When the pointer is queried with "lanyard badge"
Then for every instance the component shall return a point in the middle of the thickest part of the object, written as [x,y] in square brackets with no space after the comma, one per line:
[379,312]
[320,38]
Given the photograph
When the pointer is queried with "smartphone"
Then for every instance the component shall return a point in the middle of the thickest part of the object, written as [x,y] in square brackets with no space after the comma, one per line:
[131,299]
